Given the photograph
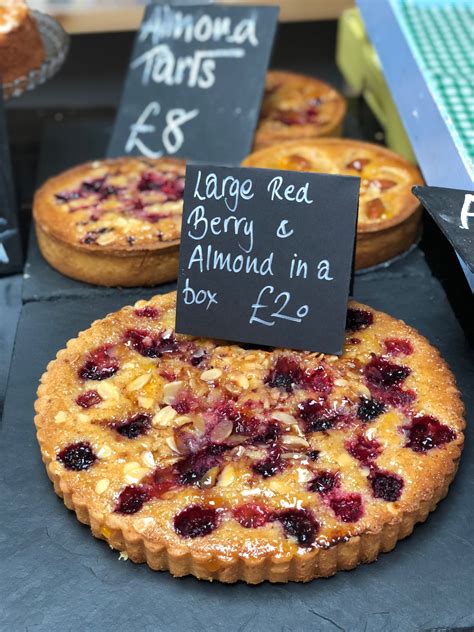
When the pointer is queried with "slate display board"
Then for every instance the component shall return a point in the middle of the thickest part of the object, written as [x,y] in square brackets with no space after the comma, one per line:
[284,239]
[11,257]
[195,82]
[71,580]
[453,211]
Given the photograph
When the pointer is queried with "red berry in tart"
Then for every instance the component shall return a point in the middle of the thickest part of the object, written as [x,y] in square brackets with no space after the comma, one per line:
[425,433]
[324,482]
[299,524]
[100,364]
[88,399]
[196,521]
[133,426]
[286,374]
[369,409]
[386,486]
[398,346]
[358,319]
[132,499]
[251,515]
[77,456]
[348,507]
[364,449]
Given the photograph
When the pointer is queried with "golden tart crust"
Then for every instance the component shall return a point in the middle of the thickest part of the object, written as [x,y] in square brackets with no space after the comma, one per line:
[389,214]
[113,222]
[204,458]
[297,106]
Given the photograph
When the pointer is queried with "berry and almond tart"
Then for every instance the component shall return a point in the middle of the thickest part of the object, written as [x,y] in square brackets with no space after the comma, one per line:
[389,214]
[227,463]
[113,222]
[232,463]
[296,106]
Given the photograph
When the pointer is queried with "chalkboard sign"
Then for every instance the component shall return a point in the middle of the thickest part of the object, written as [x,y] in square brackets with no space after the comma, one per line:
[453,211]
[195,82]
[266,256]
[10,244]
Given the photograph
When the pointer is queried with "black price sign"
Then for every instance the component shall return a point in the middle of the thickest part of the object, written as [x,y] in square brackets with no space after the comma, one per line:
[453,211]
[10,244]
[195,82]
[266,256]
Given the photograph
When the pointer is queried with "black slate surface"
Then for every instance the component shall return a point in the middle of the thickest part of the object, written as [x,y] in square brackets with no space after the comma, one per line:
[71,581]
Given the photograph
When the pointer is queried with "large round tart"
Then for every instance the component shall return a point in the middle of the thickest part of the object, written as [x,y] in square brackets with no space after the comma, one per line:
[389,214]
[227,463]
[113,222]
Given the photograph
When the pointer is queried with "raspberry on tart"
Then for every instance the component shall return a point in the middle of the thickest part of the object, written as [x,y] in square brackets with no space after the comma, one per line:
[389,215]
[113,222]
[21,48]
[297,106]
[251,464]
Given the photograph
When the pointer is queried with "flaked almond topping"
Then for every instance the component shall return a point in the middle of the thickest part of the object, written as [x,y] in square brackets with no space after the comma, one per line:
[104,452]
[236,439]
[105,238]
[145,402]
[129,365]
[227,476]
[304,475]
[211,375]
[102,485]
[134,476]
[371,433]
[131,465]
[171,390]
[164,417]
[108,391]
[221,431]
[139,382]
[199,424]
[285,418]
[294,441]
[340,382]
[60,417]
[182,420]
[167,333]
[209,478]
[239,378]
[172,445]
[291,455]
[82,417]
[148,458]
[278,486]
[364,390]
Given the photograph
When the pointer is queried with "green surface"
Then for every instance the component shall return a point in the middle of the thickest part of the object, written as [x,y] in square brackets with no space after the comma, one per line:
[440,34]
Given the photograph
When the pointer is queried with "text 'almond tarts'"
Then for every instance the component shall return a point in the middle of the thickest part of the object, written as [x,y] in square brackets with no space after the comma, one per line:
[113,222]
[296,106]
[389,214]
[21,48]
[209,459]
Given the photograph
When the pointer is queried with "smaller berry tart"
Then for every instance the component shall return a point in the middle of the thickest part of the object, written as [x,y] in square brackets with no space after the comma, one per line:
[296,106]
[113,222]
[206,458]
[389,214]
